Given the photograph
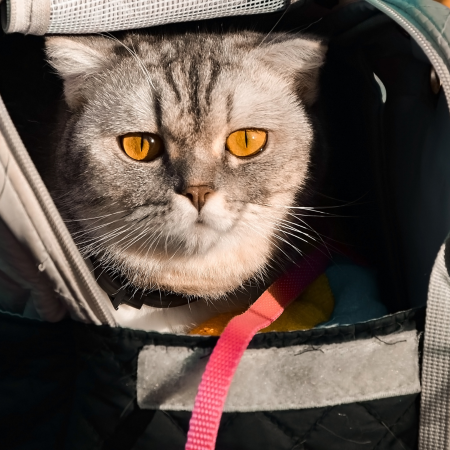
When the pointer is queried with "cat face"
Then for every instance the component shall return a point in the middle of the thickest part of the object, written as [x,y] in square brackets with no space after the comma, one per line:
[179,154]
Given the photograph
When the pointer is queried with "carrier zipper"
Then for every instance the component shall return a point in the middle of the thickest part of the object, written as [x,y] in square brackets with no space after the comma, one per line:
[436,61]
[75,262]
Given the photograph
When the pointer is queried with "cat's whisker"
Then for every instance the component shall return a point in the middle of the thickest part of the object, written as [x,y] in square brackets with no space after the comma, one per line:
[131,238]
[78,234]
[295,226]
[99,243]
[298,29]
[106,236]
[288,233]
[175,252]
[290,244]
[297,234]
[254,228]
[93,243]
[93,218]
[319,238]
[303,235]
[276,23]
[146,241]
[314,246]
[314,210]
[306,226]
[155,241]
[134,55]
[142,246]
[136,238]
[151,241]
[344,202]
[166,244]
[129,241]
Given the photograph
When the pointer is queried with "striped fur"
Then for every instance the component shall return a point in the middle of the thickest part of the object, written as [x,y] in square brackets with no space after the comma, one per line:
[193,89]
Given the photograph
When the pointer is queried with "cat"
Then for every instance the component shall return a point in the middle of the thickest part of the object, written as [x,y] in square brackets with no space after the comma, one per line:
[180,157]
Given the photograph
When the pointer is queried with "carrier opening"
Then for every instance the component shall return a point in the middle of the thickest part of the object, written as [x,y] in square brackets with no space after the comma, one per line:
[383,116]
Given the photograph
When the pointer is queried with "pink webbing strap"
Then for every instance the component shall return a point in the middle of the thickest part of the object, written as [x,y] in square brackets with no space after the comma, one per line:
[232,343]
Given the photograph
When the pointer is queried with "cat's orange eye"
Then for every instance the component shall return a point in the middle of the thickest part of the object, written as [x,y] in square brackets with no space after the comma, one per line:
[246,142]
[142,146]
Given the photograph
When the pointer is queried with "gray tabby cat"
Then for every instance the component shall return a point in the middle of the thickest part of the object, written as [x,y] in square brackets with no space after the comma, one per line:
[180,156]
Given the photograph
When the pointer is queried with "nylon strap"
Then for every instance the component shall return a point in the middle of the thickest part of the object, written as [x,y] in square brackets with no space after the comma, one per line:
[230,347]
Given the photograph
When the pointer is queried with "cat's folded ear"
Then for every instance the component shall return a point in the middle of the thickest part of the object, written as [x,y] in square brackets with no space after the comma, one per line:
[75,59]
[297,58]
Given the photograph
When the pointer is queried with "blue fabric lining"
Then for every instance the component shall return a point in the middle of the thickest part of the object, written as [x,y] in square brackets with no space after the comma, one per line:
[355,292]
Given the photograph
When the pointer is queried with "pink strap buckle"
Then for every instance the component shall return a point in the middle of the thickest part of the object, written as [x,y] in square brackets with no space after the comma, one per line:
[230,347]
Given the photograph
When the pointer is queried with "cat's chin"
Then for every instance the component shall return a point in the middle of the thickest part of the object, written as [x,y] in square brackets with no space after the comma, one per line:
[209,274]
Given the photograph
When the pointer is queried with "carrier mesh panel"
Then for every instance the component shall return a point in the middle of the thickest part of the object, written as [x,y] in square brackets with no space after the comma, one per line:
[88,16]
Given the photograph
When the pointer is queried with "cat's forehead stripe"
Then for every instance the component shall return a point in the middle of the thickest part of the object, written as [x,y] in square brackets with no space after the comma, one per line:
[190,74]
[158,111]
[168,72]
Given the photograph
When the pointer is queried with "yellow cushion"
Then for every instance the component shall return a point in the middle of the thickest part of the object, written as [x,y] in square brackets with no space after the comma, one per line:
[313,306]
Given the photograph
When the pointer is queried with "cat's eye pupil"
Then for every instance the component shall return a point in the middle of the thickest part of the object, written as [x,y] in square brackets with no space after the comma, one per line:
[247,142]
[142,146]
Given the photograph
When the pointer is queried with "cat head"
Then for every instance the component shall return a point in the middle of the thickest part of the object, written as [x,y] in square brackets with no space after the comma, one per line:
[180,155]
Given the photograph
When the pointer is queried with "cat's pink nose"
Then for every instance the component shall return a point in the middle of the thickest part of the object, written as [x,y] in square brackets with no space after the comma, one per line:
[198,195]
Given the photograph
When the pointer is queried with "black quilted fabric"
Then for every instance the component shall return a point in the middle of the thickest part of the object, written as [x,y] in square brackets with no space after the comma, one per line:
[386,424]
[69,386]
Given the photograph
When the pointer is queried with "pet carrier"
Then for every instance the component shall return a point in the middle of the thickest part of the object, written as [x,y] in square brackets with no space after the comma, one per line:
[73,377]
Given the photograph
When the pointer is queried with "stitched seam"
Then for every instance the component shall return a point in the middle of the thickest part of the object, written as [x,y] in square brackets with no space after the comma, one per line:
[98,439]
[314,425]
[146,338]
[175,423]
[396,423]
[231,419]
[388,429]
[108,351]
[299,440]
[348,332]
[282,427]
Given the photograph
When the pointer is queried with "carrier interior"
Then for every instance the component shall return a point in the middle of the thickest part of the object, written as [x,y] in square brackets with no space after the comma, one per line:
[385,118]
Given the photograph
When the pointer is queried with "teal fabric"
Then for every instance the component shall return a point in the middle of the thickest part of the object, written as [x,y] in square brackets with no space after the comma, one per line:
[416,141]
[431,18]
[356,294]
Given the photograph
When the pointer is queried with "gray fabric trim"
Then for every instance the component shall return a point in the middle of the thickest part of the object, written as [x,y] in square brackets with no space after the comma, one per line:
[5,13]
[40,17]
[435,407]
[27,16]
[19,16]
[447,255]
[15,13]
[431,18]
[45,219]
[35,260]
[296,377]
